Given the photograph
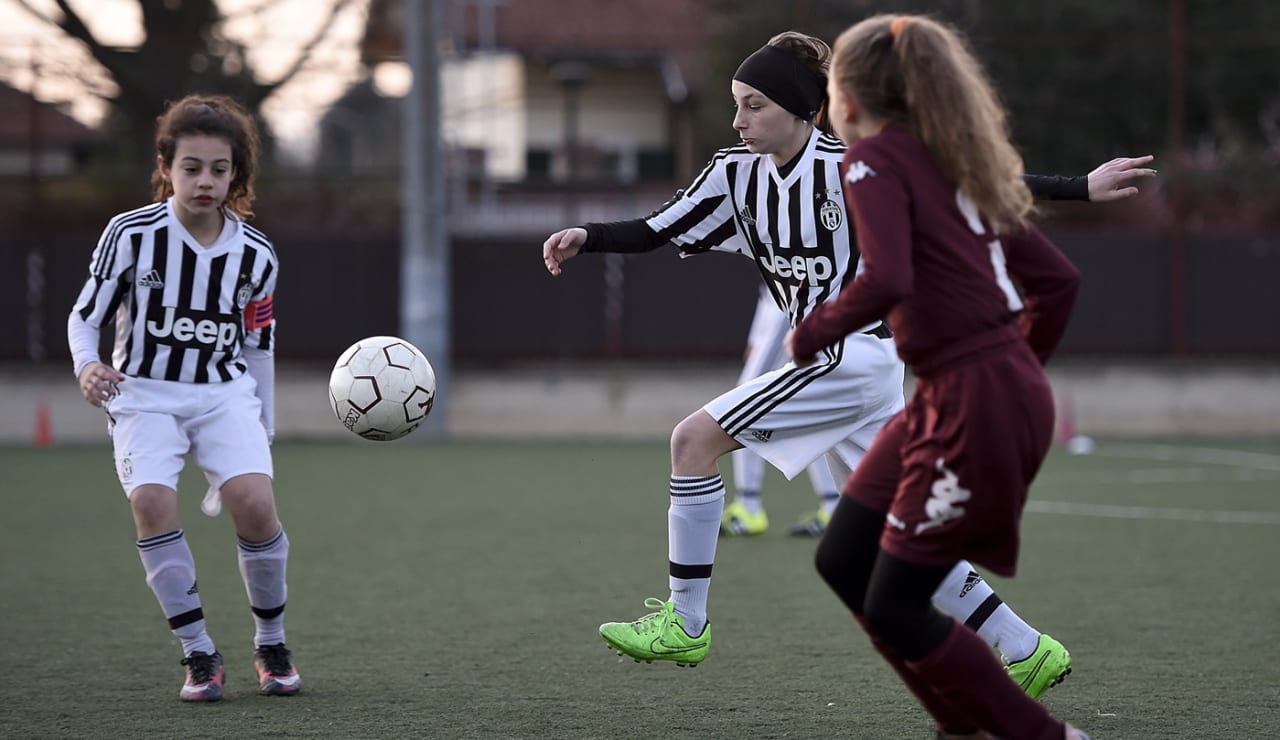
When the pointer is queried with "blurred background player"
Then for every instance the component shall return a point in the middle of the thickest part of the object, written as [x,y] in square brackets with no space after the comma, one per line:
[188,285]
[978,299]
[745,515]
[777,198]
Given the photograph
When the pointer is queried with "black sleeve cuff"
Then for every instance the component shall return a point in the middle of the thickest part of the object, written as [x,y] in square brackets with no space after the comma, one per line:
[621,237]
[1058,187]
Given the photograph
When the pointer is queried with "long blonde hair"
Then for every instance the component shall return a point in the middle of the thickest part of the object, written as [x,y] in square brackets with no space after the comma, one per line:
[917,71]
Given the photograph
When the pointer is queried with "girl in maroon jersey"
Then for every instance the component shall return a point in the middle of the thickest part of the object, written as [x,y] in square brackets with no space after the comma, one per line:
[977,299]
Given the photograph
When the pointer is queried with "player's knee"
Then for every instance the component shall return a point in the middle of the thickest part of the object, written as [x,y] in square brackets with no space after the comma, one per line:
[697,443]
[843,570]
[905,619]
[688,443]
[155,509]
[251,503]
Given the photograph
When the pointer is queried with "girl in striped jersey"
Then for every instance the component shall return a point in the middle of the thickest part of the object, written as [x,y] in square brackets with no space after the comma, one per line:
[778,199]
[188,285]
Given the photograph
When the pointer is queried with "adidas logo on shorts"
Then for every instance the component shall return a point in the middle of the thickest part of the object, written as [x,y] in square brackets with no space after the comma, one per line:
[762,435]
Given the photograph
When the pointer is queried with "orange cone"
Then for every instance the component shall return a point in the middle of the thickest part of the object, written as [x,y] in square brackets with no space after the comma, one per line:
[43,436]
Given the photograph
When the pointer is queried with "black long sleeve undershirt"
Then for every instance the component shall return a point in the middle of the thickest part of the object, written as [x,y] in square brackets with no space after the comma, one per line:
[635,236]
[1058,187]
[621,237]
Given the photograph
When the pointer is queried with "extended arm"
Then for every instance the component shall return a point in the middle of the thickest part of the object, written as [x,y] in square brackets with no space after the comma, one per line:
[1108,181]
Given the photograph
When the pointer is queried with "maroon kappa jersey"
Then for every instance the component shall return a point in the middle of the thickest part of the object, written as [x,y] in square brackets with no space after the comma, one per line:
[930,264]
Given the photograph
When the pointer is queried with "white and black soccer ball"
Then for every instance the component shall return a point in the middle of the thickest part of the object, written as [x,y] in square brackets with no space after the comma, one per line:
[382,388]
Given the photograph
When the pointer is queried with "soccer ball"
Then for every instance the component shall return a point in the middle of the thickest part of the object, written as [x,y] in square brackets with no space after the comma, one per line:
[382,388]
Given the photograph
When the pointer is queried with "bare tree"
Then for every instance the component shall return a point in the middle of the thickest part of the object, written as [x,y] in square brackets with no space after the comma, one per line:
[184,50]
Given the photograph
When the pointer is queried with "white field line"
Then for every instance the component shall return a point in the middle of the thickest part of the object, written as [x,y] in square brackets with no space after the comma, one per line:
[1150,476]
[1179,453]
[1241,466]
[1108,511]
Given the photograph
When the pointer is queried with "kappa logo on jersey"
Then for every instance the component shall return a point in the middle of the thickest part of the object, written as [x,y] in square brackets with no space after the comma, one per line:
[941,506]
[798,269]
[151,280]
[196,329]
[857,171]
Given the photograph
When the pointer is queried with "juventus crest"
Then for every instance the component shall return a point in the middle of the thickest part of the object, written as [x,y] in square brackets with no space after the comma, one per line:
[830,215]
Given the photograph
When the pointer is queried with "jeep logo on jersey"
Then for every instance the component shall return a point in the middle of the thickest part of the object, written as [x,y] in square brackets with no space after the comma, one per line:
[198,329]
[800,269]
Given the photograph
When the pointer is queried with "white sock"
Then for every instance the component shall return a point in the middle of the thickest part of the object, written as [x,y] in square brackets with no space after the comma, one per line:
[824,485]
[262,567]
[693,528]
[748,479]
[965,595]
[171,574]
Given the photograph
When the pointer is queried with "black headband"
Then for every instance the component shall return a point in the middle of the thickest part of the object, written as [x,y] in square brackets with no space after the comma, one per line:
[784,80]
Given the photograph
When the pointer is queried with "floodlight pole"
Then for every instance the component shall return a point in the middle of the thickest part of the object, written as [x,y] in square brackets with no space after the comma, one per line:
[424,248]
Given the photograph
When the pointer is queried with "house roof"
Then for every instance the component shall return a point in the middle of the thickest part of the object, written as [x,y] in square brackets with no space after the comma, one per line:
[560,29]
[55,127]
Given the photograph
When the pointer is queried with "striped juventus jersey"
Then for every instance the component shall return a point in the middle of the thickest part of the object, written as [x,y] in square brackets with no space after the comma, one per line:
[794,226]
[182,311]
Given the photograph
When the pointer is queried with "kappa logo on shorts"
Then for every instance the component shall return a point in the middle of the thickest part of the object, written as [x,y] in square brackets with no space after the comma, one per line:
[762,435]
[944,495]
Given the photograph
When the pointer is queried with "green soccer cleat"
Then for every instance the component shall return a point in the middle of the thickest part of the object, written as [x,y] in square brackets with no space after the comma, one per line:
[737,521]
[811,526]
[658,636]
[1043,669]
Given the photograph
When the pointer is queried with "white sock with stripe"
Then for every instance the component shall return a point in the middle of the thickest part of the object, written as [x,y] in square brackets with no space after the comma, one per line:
[171,574]
[748,479]
[965,595]
[693,529]
[262,567]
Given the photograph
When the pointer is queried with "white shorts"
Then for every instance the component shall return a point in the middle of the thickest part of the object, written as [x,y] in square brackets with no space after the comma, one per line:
[155,423]
[791,416]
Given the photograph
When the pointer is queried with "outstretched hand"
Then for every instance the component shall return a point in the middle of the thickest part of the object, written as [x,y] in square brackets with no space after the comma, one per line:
[1110,180]
[561,246]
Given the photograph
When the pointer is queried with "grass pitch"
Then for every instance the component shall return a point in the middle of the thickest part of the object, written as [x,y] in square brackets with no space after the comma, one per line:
[454,590]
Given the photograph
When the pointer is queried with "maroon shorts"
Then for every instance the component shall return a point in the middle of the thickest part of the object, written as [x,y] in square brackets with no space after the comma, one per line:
[952,469]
